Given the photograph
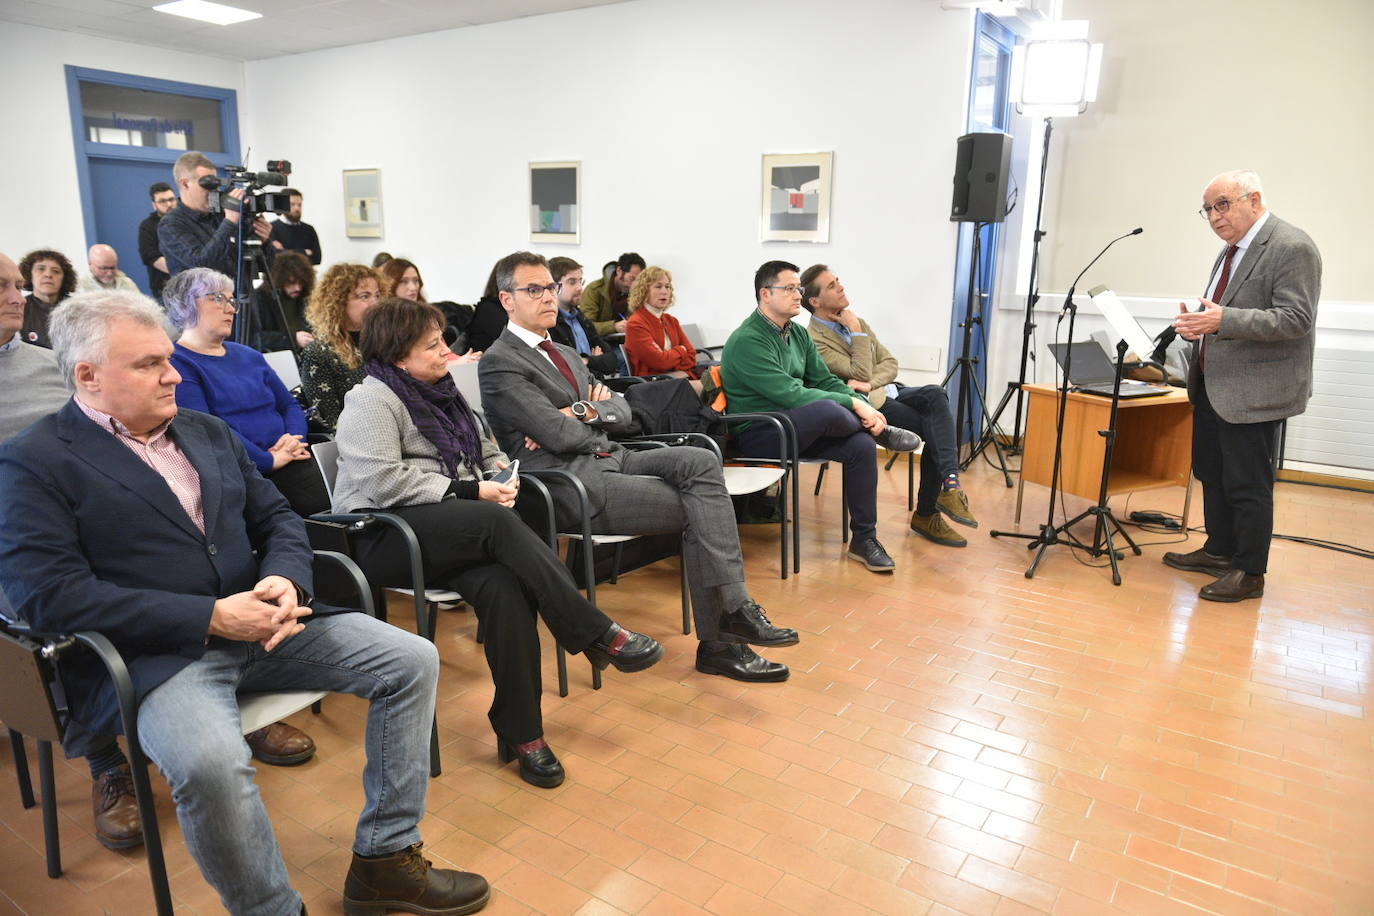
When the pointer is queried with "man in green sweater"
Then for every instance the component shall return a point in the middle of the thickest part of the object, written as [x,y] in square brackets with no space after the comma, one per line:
[770,363]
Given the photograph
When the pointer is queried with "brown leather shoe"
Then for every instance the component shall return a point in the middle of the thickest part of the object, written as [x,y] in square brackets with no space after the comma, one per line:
[281,745]
[409,882]
[933,527]
[1236,585]
[117,825]
[1198,561]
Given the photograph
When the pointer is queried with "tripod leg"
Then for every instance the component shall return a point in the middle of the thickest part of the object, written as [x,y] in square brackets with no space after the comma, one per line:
[1111,552]
[989,435]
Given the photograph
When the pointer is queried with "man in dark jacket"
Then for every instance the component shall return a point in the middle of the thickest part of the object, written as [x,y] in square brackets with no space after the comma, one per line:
[572,328]
[164,199]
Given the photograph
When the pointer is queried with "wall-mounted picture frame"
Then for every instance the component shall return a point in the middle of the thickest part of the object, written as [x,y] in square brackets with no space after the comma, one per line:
[796,197]
[362,191]
[556,202]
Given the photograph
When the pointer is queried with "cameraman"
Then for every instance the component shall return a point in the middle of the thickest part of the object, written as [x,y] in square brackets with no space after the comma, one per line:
[190,235]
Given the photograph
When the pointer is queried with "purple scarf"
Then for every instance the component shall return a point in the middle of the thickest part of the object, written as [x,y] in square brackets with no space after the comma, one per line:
[439,412]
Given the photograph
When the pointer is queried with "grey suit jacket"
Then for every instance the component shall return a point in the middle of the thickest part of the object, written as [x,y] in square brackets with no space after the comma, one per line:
[522,394]
[1259,364]
[385,461]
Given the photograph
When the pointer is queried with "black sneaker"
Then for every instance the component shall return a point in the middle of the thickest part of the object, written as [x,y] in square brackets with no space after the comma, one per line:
[896,439]
[871,554]
[748,623]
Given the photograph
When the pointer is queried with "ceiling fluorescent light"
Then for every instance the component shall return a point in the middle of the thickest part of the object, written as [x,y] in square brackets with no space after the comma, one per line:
[205,11]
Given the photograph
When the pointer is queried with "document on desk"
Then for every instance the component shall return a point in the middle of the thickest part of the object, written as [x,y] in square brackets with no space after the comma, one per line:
[1122,322]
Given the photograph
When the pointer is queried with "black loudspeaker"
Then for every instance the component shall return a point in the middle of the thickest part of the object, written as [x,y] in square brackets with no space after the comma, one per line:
[980,178]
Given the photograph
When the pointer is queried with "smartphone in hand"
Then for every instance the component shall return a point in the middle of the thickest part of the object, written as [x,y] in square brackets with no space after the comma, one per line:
[508,474]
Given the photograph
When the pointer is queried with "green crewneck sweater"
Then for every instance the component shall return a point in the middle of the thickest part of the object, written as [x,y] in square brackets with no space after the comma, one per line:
[763,371]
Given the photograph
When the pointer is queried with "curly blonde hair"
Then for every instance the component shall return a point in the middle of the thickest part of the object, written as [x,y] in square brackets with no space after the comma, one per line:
[647,278]
[327,312]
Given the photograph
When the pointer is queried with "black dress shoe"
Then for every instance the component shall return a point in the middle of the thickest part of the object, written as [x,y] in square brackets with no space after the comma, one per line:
[1236,585]
[627,650]
[538,765]
[738,661]
[1198,561]
[750,624]
[871,554]
[896,439]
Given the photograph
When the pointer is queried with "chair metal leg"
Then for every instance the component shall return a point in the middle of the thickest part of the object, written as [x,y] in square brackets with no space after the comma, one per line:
[317,707]
[49,790]
[615,562]
[152,836]
[434,768]
[911,481]
[21,766]
[562,670]
[687,596]
[820,479]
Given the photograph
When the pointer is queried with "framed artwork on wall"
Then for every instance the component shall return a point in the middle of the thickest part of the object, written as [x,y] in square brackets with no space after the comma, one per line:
[363,203]
[796,197]
[555,202]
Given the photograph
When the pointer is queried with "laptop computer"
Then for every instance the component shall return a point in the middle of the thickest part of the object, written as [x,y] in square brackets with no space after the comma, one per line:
[1093,372]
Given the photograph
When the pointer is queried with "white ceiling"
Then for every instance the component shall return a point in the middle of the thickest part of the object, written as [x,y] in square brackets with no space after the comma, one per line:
[286,27]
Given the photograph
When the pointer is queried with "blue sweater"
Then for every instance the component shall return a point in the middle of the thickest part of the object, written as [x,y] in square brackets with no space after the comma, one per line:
[243,391]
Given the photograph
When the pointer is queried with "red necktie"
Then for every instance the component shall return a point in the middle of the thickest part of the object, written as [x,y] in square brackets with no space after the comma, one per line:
[1216,297]
[561,365]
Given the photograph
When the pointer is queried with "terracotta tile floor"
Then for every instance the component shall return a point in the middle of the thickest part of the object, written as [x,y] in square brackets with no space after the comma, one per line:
[955,738]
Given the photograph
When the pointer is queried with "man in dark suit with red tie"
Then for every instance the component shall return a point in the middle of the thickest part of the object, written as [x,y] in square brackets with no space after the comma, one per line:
[1252,369]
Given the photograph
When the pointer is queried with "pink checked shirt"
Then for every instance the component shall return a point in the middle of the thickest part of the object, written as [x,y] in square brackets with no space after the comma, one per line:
[163,455]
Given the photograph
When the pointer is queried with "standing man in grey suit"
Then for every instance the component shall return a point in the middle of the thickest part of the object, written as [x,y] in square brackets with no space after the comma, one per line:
[1253,368]
[548,412]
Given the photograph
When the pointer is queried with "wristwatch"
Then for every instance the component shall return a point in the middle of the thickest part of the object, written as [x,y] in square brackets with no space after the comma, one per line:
[579,409]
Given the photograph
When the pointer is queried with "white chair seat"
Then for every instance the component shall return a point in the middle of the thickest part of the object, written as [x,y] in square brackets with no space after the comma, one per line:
[741,480]
[283,362]
[432,595]
[257,710]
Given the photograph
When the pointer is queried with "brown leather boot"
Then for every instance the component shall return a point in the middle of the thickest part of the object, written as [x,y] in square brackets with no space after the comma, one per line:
[117,825]
[409,882]
[281,745]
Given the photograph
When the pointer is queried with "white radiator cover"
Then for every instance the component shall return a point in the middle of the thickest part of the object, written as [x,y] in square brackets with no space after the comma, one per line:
[1337,429]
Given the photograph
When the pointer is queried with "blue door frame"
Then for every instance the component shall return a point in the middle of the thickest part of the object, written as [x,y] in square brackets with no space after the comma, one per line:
[88,150]
[989,32]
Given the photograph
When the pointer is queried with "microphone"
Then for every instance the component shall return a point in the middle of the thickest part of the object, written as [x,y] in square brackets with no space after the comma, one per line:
[1068,300]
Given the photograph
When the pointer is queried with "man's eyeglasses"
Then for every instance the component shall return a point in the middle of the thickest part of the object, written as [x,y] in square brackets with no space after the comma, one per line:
[1220,205]
[221,299]
[790,290]
[537,292]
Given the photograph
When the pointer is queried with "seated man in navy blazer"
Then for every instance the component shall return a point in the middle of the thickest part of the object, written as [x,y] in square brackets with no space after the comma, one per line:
[122,515]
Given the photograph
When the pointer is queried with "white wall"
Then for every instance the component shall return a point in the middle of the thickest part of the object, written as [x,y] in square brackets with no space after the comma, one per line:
[669,106]
[42,203]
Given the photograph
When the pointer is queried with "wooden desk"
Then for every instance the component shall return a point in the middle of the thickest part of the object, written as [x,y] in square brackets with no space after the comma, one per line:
[1154,440]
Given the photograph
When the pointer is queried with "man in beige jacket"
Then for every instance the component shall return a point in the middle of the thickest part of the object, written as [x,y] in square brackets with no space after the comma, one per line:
[852,351]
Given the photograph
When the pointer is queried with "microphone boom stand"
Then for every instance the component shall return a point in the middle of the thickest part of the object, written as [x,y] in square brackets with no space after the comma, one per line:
[1050,533]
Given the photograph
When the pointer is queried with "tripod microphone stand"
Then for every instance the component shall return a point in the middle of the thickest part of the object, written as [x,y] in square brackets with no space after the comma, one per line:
[1050,533]
[966,367]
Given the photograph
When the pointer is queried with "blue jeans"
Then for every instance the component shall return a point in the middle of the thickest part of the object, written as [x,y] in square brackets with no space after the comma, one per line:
[189,727]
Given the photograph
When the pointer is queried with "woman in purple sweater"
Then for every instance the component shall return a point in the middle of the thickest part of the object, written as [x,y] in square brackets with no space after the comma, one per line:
[234,383]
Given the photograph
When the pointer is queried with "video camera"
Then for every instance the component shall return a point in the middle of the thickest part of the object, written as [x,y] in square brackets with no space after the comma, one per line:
[255,200]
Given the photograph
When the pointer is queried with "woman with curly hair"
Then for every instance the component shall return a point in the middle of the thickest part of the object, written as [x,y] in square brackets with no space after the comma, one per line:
[51,278]
[293,276]
[332,363]
[654,340]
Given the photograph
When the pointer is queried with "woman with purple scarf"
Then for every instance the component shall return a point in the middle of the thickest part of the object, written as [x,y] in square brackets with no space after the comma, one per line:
[409,444]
